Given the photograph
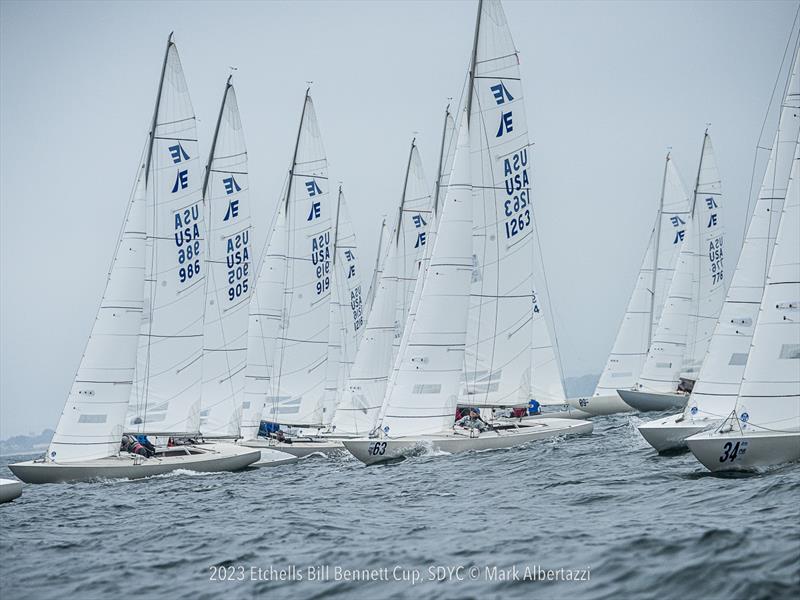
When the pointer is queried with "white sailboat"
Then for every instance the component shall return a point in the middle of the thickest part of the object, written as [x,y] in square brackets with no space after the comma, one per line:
[450,354]
[346,310]
[717,387]
[10,489]
[288,341]
[399,270]
[146,343]
[763,428]
[643,314]
[229,281]
[693,304]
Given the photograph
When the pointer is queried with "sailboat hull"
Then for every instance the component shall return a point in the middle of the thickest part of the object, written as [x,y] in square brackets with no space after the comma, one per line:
[203,458]
[271,457]
[739,451]
[372,451]
[670,433]
[299,449]
[599,405]
[653,402]
[9,490]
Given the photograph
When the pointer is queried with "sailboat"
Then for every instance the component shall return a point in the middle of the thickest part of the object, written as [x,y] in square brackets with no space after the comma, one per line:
[228,282]
[469,338]
[714,393]
[763,429]
[693,303]
[289,335]
[146,343]
[10,489]
[363,394]
[643,314]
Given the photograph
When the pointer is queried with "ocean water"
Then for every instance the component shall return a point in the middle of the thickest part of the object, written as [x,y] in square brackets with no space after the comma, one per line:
[603,510]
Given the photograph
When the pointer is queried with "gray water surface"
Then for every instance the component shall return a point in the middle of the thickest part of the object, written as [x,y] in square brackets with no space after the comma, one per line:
[603,506]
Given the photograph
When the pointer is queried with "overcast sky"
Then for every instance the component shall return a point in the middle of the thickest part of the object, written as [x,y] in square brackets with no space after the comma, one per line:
[609,87]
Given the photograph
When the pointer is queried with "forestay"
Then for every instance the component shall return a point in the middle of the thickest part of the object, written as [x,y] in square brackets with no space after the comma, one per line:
[644,310]
[717,387]
[769,398]
[498,347]
[697,289]
[346,310]
[297,386]
[423,392]
[166,393]
[229,278]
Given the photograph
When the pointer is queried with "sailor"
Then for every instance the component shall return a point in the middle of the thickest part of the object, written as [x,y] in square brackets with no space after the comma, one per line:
[142,439]
[473,421]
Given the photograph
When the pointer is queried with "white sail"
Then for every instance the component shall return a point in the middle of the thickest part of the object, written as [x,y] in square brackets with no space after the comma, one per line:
[346,310]
[717,386]
[91,424]
[547,379]
[228,275]
[376,272]
[301,348]
[769,398]
[447,153]
[410,237]
[696,292]
[427,376]
[365,389]
[643,314]
[166,393]
[265,314]
[500,330]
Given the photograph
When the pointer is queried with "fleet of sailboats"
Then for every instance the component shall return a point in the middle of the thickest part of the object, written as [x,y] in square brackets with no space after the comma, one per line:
[213,360]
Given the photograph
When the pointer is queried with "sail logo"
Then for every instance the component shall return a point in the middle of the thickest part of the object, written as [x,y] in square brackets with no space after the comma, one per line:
[712,220]
[233,210]
[237,259]
[316,211]
[181,181]
[321,259]
[178,153]
[679,235]
[350,257]
[187,241]
[506,124]
[313,188]
[357,306]
[501,93]
[516,206]
[421,235]
[231,185]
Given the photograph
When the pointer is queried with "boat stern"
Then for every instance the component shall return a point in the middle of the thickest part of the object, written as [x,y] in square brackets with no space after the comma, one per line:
[744,451]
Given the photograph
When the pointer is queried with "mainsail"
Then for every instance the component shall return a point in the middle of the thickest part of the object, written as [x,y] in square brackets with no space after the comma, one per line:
[696,292]
[297,384]
[228,274]
[410,238]
[499,333]
[166,393]
[769,398]
[346,309]
[422,395]
[643,314]
[717,386]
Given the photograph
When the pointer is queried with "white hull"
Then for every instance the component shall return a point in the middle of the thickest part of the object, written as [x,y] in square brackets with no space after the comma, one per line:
[371,451]
[670,433]
[299,449]
[274,458]
[9,490]
[201,458]
[653,402]
[600,405]
[744,451]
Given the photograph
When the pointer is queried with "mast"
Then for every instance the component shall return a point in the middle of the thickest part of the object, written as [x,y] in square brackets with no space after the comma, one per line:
[296,145]
[170,43]
[655,254]
[216,134]
[441,158]
[405,186]
[474,59]
[336,227]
